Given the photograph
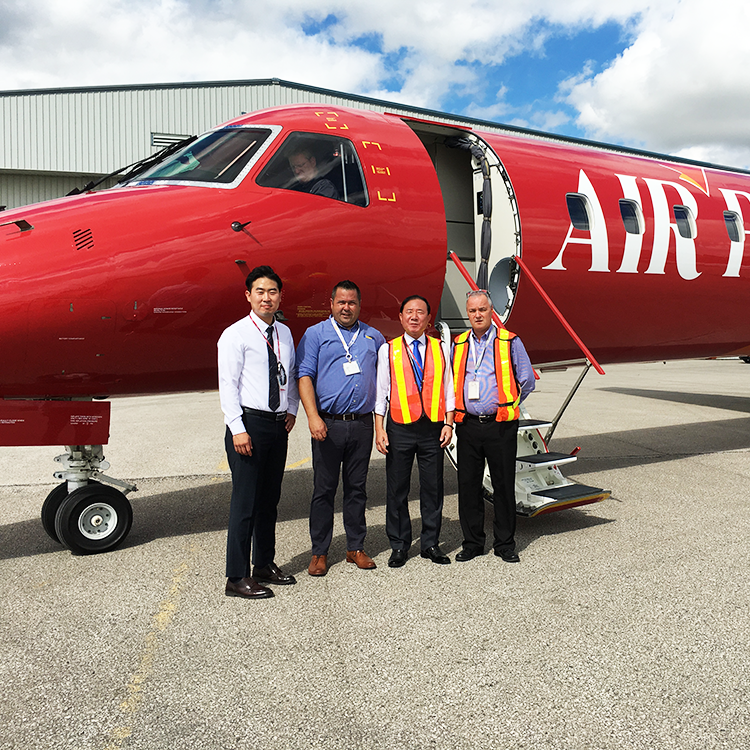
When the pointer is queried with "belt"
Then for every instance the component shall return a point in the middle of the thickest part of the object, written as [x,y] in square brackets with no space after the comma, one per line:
[275,416]
[350,417]
[481,418]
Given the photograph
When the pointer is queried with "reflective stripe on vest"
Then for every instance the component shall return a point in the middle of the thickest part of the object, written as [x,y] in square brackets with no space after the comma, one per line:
[509,395]
[407,403]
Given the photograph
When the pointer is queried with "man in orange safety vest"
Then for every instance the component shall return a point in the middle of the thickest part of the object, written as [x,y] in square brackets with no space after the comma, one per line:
[415,387]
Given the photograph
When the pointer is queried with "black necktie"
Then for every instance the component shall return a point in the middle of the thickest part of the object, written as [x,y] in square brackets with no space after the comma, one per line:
[273,373]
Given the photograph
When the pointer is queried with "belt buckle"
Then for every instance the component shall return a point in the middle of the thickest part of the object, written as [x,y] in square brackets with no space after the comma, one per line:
[280,416]
[484,418]
[348,417]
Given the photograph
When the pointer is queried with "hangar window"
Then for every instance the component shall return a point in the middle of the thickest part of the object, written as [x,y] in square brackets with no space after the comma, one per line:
[632,216]
[685,222]
[219,157]
[579,211]
[735,230]
[320,165]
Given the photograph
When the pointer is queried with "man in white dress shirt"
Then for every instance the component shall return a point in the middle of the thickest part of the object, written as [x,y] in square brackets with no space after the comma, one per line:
[415,387]
[259,399]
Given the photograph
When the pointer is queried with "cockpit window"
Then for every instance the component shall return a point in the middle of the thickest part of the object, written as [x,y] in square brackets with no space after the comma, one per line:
[319,165]
[218,157]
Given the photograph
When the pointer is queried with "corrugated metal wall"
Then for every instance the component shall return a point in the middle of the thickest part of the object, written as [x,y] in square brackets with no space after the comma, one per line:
[96,131]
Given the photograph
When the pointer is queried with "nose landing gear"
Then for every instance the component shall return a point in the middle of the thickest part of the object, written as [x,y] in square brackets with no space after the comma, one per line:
[83,514]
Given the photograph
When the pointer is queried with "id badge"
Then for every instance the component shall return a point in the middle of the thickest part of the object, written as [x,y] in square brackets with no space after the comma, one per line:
[351,368]
[473,392]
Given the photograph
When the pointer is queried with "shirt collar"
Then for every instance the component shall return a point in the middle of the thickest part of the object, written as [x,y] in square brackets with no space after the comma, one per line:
[353,329]
[489,334]
[410,340]
[262,323]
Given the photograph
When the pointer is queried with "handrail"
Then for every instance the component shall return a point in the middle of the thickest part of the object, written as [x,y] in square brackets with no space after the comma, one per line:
[559,316]
[473,284]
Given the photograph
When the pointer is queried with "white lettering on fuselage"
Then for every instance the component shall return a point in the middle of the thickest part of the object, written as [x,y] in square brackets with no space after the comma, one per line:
[663,228]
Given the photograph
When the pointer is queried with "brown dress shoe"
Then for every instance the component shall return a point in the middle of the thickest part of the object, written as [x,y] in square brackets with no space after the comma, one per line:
[361,559]
[248,589]
[318,565]
[273,574]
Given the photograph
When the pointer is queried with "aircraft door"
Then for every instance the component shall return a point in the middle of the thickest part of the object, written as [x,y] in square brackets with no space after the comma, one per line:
[481,214]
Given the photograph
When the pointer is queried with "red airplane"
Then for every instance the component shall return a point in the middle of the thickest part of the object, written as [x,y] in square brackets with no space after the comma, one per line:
[125,291]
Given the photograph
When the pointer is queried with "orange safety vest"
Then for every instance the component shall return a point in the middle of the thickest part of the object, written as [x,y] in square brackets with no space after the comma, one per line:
[509,394]
[407,402]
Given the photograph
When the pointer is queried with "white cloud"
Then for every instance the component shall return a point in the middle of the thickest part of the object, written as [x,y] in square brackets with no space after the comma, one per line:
[680,87]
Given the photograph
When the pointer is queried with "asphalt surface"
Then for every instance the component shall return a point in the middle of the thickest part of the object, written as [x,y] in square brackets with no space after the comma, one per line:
[625,625]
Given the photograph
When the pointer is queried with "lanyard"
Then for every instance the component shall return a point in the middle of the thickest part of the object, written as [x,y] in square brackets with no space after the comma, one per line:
[280,368]
[346,346]
[480,356]
[419,369]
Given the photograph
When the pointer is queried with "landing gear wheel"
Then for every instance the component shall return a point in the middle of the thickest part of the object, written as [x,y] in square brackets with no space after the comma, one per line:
[50,507]
[94,518]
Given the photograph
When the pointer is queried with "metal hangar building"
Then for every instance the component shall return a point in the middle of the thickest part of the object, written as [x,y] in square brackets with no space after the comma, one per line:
[55,140]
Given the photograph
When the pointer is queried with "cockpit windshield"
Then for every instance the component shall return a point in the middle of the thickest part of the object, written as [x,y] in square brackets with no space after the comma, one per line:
[218,157]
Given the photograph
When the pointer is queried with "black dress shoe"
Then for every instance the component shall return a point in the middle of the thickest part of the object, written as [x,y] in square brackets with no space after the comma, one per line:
[508,555]
[467,553]
[397,558]
[248,589]
[273,574]
[436,555]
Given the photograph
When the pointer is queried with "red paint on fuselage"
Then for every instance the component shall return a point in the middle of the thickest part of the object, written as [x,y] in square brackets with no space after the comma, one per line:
[140,309]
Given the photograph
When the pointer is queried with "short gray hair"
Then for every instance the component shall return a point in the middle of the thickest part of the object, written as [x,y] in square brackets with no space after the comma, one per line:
[477,293]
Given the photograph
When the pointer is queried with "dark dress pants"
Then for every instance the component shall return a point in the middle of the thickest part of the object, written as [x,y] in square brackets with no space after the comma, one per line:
[494,442]
[347,448]
[405,441]
[256,489]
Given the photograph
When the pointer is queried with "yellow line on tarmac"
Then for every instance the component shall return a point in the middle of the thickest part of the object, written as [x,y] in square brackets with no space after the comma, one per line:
[160,622]
[297,464]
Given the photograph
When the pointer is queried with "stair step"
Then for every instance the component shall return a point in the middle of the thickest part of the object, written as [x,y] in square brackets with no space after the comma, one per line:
[566,496]
[540,460]
[533,424]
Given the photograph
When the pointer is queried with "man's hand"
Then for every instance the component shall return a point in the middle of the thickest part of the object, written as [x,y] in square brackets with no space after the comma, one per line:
[446,435]
[242,444]
[289,422]
[381,441]
[318,428]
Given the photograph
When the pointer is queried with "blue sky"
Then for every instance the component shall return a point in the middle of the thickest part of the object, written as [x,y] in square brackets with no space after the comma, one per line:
[665,75]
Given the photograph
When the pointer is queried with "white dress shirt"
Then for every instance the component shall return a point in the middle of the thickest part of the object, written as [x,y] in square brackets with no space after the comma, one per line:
[243,369]
[384,376]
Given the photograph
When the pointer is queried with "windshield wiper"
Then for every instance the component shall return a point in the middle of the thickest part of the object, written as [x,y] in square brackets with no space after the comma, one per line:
[137,167]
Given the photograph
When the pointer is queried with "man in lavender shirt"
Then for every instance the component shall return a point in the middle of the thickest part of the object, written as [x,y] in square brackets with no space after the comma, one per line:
[489,390]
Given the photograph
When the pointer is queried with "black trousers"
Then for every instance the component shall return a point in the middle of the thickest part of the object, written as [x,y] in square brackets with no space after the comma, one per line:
[494,442]
[405,441]
[346,449]
[256,489]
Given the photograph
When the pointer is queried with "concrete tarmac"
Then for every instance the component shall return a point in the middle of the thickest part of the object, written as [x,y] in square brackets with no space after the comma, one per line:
[625,625]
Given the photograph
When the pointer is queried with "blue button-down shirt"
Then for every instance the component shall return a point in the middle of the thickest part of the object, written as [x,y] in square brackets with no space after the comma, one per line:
[488,401]
[321,356]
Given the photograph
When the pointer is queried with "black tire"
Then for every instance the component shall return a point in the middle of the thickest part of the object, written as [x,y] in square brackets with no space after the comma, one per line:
[50,507]
[94,518]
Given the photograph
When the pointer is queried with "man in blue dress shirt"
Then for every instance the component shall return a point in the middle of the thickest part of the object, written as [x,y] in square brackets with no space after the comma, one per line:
[489,390]
[336,369]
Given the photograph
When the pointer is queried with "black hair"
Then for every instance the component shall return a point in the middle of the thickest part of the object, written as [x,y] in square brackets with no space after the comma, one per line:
[415,296]
[262,272]
[348,286]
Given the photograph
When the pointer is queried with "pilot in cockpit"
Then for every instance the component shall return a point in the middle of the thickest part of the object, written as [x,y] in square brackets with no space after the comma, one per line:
[304,165]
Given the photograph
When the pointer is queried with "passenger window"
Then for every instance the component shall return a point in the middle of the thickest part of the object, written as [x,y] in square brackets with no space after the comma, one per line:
[735,230]
[685,222]
[317,164]
[579,211]
[632,217]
